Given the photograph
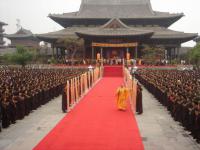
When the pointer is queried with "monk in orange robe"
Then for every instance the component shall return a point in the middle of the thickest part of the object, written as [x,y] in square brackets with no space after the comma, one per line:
[122,96]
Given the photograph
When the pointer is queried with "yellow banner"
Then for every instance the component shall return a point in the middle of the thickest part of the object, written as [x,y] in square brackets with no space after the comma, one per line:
[114,45]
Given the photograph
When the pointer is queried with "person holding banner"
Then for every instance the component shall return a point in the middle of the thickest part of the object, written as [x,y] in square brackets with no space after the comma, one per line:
[122,95]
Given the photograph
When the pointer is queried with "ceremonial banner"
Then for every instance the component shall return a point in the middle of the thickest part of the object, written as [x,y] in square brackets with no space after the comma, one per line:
[85,81]
[82,84]
[128,56]
[77,86]
[98,56]
[72,91]
[76,83]
[92,76]
[114,45]
[140,62]
[89,84]
[68,96]
[132,86]
[75,95]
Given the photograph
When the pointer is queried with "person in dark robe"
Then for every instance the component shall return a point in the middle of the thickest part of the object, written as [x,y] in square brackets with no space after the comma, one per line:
[139,107]
[64,101]
[5,113]
[177,90]
[13,110]
[0,116]
[24,90]
[197,120]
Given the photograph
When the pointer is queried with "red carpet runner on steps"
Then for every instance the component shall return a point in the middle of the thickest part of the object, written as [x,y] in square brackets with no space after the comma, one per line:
[96,124]
[113,71]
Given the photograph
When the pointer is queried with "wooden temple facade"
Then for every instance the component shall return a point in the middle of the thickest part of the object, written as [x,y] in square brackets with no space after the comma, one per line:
[118,29]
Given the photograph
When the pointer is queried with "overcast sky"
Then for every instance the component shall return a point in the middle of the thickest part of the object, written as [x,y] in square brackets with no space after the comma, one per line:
[33,14]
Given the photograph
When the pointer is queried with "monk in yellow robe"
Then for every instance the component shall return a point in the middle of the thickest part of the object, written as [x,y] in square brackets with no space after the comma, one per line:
[122,96]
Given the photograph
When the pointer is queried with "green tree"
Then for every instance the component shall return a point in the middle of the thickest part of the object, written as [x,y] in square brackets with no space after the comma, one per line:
[152,54]
[21,57]
[194,55]
[72,44]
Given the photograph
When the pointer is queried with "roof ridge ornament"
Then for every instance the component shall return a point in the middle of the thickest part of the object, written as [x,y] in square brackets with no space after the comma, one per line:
[115,23]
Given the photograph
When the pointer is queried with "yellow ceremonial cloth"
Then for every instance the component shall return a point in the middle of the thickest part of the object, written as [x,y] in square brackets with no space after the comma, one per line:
[98,56]
[128,56]
[122,95]
[140,62]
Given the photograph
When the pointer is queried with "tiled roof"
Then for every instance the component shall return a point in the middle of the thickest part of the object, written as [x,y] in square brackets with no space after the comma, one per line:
[21,33]
[115,9]
[158,32]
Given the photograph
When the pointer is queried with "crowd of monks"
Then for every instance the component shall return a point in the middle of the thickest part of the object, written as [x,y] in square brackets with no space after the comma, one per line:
[179,91]
[24,90]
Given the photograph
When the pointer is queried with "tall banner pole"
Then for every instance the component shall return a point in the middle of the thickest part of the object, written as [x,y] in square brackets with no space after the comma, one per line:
[93,76]
[81,84]
[89,79]
[68,95]
[73,91]
[85,81]
[71,94]
[77,96]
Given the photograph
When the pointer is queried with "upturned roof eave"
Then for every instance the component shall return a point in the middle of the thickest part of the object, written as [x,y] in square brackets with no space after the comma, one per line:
[22,38]
[47,38]
[3,23]
[113,36]
[182,36]
[62,16]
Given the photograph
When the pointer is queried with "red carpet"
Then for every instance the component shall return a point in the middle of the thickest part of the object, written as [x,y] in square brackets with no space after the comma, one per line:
[96,124]
[113,71]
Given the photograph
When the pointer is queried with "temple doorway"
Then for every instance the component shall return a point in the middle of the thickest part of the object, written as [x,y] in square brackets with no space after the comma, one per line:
[114,56]
[112,53]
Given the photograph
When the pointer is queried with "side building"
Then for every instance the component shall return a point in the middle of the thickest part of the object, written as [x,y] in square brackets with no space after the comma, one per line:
[197,40]
[2,34]
[23,37]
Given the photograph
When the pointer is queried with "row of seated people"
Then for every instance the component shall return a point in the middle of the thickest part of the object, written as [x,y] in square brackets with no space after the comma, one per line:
[179,91]
[24,90]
